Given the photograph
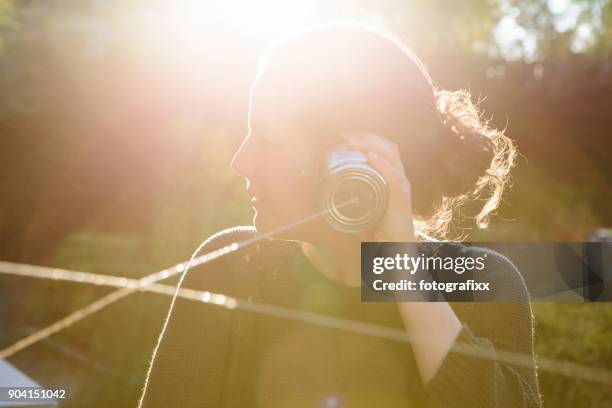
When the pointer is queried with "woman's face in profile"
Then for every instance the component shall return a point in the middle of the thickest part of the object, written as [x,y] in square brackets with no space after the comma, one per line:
[279,166]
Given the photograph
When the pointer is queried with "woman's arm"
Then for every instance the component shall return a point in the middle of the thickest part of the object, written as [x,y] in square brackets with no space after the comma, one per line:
[439,327]
[479,378]
[491,363]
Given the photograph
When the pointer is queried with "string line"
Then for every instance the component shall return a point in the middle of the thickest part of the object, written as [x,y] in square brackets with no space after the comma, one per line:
[127,286]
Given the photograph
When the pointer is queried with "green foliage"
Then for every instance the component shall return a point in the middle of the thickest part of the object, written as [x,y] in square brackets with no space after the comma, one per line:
[578,333]
[537,210]
[577,26]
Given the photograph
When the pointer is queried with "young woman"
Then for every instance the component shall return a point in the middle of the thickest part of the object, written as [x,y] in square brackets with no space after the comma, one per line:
[350,85]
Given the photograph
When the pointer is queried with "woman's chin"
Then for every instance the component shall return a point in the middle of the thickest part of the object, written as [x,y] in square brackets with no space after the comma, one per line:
[265,225]
[268,226]
[262,223]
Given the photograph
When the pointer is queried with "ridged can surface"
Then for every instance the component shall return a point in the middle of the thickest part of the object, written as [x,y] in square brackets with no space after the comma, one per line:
[348,175]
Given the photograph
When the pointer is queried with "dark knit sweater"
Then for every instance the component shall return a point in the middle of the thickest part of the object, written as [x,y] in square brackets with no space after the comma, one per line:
[213,356]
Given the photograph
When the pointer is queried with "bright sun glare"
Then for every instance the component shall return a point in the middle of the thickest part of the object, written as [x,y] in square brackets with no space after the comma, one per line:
[185,23]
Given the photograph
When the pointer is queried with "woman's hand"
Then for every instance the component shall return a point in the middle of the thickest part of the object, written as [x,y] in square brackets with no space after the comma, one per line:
[383,155]
[427,320]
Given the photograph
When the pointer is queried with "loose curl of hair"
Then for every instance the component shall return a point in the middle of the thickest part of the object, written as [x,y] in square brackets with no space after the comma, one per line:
[466,133]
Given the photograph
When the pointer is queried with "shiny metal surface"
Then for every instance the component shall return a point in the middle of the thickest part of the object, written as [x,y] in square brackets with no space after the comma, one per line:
[346,175]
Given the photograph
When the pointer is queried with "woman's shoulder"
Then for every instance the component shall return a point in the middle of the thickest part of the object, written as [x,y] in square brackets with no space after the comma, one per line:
[504,279]
[227,237]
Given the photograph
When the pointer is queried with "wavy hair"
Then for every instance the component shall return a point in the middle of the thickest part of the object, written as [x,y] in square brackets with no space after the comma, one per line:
[451,153]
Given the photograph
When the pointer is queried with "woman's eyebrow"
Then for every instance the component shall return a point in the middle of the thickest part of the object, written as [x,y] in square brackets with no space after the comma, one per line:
[260,126]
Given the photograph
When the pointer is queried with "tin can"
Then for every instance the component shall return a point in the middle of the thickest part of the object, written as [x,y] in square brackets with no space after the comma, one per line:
[346,176]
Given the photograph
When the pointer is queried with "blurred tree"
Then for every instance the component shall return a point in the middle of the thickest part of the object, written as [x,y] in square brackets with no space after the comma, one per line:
[561,28]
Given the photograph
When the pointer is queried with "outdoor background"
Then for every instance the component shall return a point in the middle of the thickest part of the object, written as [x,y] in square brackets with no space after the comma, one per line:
[118,120]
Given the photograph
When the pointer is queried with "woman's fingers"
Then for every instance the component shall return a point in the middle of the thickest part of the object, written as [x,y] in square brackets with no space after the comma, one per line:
[383,155]
[398,184]
[367,142]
